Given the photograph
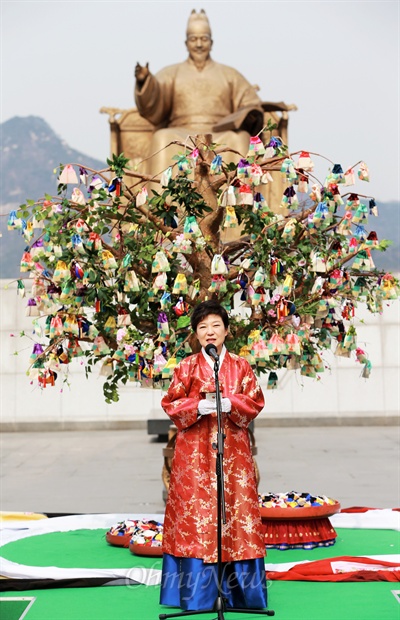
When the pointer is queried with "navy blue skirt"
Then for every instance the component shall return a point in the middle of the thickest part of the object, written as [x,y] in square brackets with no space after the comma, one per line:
[192,585]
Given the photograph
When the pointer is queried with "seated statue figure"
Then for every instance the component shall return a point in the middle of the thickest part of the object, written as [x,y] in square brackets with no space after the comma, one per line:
[197,96]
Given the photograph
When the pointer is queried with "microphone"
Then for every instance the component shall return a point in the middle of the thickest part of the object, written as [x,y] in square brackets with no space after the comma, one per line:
[211,350]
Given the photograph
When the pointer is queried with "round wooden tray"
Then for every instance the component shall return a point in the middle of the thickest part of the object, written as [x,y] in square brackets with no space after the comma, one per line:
[311,512]
[118,541]
[146,550]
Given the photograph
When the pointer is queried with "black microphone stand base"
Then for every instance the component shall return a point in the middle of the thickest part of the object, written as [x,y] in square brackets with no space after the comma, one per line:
[219,610]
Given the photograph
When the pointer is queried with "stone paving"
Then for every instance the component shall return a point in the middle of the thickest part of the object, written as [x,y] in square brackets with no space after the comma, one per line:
[121,470]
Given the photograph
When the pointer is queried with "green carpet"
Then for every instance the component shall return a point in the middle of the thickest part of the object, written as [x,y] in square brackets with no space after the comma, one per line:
[290,601]
[89,549]
[13,609]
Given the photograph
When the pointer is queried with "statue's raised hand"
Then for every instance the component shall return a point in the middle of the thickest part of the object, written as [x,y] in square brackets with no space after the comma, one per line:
[141,73]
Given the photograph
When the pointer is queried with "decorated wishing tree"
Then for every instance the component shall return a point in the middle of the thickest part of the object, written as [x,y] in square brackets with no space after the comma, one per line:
[117,267]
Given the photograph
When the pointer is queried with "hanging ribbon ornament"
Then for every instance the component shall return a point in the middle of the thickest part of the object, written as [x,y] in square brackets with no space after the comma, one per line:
[363,172]
[218,266]
[218,284]
[230,220]
[243,170]
[68,175]
[166,177]
[289,198]
[242,280]
[216,165]
[288,169]
[256,147]
[180,285]
[245,196]
[163,327]
[304,162]
[160,263]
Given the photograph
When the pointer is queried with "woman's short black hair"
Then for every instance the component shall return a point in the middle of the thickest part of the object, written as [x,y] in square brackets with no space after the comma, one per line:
[208,307]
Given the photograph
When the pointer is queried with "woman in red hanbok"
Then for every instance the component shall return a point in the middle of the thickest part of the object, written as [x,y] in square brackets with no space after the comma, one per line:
[189,577]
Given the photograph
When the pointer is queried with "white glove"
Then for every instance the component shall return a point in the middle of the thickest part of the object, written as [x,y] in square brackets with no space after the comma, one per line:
[205,407]
[226,405]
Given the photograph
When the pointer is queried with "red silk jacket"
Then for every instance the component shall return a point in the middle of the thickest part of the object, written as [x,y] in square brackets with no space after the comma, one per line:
[190,525]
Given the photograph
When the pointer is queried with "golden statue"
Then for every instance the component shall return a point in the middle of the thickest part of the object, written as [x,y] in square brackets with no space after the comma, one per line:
[197,96]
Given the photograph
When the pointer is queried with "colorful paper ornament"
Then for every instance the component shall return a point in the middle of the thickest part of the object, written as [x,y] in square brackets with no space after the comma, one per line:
[108,260]
[388,287]
[302,186]
[168,370]
[216,165]
[141,197]
[272,380]
[131,283]
[229,197]
[31,308]
[363,261]
[276,344]
[163,327]
[245,195]
[123,318]
[256,147]
[191,229]
[71,324]
[182,245]
[256,174]
[336,175]
[166,177]
[288,169]
[289,198]
[193,157]
[77,196]
[361,214]
[28,231]
[363,172]
[304,162]
[160,263]
[230,220]
[293,343]
[100,346]
[218,265]
[83,175]
[318,262]
[26,262]
[68,175]
[287,285]
[115,186]
[218,284]
[94,241]
[61,272]
[289,230]
[183,164]
[349,178]
[344,226]
[373,209]
[260,277]
[56,327]
[315,193]
[243,169]
[160,282]
[258,201]
[180,285]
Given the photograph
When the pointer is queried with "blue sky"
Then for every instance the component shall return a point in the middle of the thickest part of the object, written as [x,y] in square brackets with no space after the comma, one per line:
[337,61]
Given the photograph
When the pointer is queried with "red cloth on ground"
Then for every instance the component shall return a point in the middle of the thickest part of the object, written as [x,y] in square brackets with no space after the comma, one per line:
[325,570]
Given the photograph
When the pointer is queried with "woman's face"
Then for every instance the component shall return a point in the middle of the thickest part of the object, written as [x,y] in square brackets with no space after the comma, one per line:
[211,330]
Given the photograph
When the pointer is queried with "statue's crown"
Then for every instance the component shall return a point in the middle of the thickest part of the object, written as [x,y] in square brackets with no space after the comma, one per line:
[199,18]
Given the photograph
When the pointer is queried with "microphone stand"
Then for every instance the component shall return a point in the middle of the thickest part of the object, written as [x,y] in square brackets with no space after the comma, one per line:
[220,602]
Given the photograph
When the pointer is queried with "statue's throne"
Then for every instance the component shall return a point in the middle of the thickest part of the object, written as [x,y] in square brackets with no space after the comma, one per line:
[131,135]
